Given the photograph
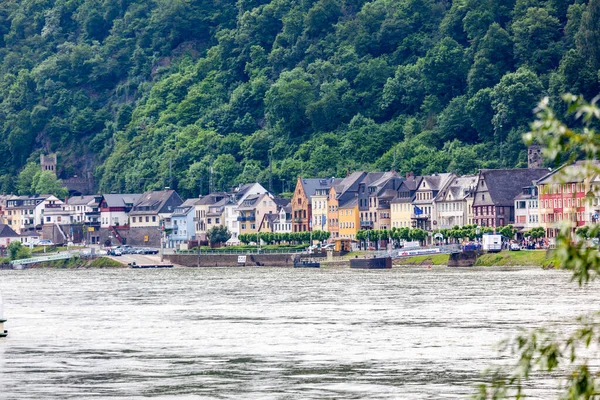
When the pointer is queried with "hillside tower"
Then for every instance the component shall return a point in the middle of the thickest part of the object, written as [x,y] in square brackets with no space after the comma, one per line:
[48,162]
[534,156]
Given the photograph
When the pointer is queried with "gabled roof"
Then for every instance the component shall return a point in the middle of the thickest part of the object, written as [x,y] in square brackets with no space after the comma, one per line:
[81,200]
[350,203]
[120,200]
[437,181]
[156,202]
[252,201]
[569,173]
[349,183]
[184,208]
[310,186]
[281,202]
[7,232]
[212,198]
[504,184]
[460,187]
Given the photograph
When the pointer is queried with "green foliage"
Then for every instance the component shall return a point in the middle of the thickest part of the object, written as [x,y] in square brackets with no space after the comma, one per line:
[508,231]
[536,233]
[165,93]
[16,251]
[288,237]
[218,234]
[549,352]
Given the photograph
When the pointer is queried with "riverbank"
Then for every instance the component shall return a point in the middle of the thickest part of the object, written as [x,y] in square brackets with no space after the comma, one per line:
[74,263]
[525,258]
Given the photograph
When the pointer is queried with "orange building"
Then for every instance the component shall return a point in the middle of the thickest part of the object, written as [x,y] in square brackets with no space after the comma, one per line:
[349,218]
[301,202]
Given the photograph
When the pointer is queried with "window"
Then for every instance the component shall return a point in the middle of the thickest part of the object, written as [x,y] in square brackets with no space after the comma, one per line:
[133,219]
[147,218]
[154,218]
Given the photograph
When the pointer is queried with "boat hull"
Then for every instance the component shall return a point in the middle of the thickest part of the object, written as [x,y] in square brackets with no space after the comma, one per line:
[371,263]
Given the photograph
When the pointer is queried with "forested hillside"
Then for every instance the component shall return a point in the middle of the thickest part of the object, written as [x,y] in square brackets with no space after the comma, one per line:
[152,93]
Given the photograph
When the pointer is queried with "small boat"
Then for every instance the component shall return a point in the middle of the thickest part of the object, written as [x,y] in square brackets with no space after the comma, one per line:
[3,332]
[134,265]
[371,263]
[306,263]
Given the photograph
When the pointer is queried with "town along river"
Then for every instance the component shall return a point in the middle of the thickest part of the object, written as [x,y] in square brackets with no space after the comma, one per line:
[269,333]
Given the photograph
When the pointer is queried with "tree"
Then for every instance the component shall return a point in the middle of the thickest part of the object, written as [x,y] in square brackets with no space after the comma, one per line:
[16,251]
[508,231]
[45,182]
[418,235]
[543,351]
[537,40]
[218,234]
[493,59]
[25,180]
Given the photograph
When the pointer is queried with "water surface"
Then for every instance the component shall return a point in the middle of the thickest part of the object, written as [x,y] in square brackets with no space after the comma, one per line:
[269,333]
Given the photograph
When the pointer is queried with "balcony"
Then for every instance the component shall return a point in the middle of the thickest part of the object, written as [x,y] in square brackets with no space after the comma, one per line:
[297,220]
[420,216]
[365,224]
[247,218]
[53,206]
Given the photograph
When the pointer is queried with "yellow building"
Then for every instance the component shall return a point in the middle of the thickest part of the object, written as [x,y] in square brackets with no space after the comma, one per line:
[401,212]
[402,209]
[349,219]
[319,209]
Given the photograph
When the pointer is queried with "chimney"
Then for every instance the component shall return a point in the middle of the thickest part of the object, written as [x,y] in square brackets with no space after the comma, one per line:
[410,175]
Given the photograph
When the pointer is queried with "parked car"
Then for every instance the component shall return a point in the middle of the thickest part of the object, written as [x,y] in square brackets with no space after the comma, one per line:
[45,242]
[148,250]
[514,247]
[114,252]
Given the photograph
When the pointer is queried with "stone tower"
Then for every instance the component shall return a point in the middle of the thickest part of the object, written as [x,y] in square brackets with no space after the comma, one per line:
[48,162]
[534,156]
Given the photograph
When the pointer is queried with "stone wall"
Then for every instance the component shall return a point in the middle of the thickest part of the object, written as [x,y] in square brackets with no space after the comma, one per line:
[464,259]
[133,236]
[231,260]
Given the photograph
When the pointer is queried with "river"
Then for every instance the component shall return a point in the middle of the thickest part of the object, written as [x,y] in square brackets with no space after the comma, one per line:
[269,333]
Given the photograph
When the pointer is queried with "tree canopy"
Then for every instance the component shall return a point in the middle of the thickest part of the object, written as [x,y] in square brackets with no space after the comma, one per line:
[200,95]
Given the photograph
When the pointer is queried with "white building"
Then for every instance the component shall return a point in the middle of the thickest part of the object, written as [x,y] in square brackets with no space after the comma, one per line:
[114,209]
[455,201]
[54,211]
[527,212]
[154,209]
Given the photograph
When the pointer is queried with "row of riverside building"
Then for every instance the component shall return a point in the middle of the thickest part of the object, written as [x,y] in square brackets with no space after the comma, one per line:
[526,198]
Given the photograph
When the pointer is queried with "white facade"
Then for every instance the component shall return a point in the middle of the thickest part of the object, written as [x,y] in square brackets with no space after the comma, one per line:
[527,214]
[283,224]
[319,210]
[230,220]
[113,218]
[452,213]
[54,211]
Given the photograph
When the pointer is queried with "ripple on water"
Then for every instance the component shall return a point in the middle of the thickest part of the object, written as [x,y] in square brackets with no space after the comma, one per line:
[269,333]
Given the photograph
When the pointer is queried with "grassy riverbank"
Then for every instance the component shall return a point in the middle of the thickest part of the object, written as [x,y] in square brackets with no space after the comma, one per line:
[532,258]
[77,262]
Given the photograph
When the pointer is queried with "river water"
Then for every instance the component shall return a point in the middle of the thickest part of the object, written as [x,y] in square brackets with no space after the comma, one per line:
[269,333]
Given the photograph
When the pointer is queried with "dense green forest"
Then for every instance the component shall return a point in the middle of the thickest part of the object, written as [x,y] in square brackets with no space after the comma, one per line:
[195,94]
